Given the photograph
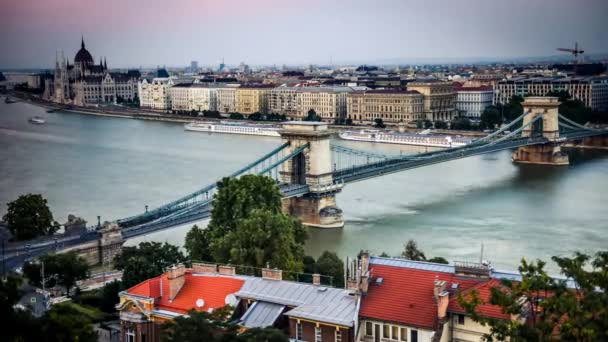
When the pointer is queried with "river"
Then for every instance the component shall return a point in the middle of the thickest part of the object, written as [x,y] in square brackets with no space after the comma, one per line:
[112,167]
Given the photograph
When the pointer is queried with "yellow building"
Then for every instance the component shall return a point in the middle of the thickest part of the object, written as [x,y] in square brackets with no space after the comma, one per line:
[251,99]
[392,106]
[439,99]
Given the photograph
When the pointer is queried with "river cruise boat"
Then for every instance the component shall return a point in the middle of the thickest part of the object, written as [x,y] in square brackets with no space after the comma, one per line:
[431,140]
[37,120]
[234,128]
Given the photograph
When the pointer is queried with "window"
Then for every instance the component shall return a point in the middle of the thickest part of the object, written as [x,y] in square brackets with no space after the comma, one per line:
[318,334]
[369,329]
[298,331]
[414,335]
[338,336]
[130,335]
[403,334]
[386,331]
[395,332]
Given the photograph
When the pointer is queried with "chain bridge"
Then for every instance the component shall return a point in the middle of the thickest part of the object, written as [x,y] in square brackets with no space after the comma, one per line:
[310,170]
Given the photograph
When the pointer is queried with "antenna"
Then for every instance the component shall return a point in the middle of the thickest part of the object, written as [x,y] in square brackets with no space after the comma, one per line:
[481,255]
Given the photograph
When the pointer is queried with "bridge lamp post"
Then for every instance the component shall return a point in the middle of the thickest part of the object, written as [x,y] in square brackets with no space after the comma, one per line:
[98,221]
[146,208]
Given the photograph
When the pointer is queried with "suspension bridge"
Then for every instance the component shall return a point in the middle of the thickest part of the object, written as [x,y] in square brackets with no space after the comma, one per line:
[310,170]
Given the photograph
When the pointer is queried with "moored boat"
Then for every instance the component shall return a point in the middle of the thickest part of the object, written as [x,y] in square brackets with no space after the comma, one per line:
[234,128]
[431,140]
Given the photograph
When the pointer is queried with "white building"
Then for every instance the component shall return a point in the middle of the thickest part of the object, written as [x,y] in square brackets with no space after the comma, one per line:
[155,94]
[193,96]
[472,101]
[592,91]
[226,98]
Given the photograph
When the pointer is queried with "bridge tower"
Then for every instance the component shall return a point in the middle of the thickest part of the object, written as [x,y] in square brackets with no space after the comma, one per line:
[549,153]
[312,167]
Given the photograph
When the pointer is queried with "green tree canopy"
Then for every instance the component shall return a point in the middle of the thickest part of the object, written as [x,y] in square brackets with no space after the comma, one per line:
[379,123]
[312,116]
[439,260]
[197,244]
[329,264]
[441,124]
[145,261]
[63,323]
[62,269]
[553,311]
[491,117]
[263,238]
[412,252]
[29,216]
[461,123]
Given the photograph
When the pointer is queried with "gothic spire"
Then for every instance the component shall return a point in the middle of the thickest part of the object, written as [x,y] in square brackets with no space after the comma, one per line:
[100,61]
[105,63]
[82,42]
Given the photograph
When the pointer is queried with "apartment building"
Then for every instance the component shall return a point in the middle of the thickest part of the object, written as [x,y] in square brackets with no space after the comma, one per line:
[328,102]
[439,99]
[392,106]
[592,91]
[252,98]
[472,101]
[283,100]
[155,94]
[226,99]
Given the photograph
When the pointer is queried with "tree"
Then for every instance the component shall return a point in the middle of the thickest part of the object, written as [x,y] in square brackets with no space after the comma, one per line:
[263,238]
[29,216]
[441,124]
[63,323]
[329,264]
[197,244]
[573,109]
[379,123]
[427,124]
[267,334]
[490,117]
[59,269]
[553,311]
[108,296]
[312,116]
[145,261]
[200,326]
[257,116]
[461,123]
[439,260]
[412,252]
[236,116]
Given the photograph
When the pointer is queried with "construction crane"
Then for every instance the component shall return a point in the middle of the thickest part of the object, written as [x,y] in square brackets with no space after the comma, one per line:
[575,52]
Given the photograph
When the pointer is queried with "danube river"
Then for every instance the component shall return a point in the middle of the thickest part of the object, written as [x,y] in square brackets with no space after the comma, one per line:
[113,167]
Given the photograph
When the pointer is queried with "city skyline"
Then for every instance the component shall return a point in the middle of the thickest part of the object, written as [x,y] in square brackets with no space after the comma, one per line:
[285,32]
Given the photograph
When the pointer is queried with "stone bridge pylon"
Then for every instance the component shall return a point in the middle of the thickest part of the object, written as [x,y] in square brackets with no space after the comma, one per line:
[547,126]
[312,167]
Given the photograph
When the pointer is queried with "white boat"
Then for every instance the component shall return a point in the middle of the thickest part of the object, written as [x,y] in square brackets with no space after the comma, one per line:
[234,128]
[431,140]
[37,120]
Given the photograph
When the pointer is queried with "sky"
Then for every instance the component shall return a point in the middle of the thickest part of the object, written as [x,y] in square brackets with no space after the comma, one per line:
[133,33]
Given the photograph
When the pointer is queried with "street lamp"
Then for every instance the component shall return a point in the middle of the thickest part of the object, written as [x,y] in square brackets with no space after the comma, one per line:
[146,208]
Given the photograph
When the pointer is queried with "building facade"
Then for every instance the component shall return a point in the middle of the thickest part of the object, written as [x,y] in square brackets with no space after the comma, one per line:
[592,91]
[226,99]
[472,101]
[283,100]
[392,106]
[328,102]
[155,94]
[86,83]
[252,99]
[439,99]
[193,96]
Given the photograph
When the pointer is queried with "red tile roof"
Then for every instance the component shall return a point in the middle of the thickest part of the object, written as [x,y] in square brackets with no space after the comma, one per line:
[406,295]
[211,289]
[483,291]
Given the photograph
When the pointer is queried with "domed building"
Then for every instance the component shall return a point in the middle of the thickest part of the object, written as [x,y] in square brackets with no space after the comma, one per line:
[84,82]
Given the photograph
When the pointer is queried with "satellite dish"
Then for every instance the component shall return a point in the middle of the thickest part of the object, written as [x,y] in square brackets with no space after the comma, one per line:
[231,300]
[200,303]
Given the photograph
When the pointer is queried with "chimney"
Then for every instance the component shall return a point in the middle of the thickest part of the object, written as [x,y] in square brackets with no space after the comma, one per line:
[364,279]
[227,270]
[364,261]
[198,267]
[274,274]
[177,278]
[351,284]
[441,297]
[316,279]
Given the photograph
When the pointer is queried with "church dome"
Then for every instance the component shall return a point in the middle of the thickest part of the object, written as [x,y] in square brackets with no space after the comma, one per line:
[83,55]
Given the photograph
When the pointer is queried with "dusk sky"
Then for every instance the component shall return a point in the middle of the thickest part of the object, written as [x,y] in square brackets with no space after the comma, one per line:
[135,33]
